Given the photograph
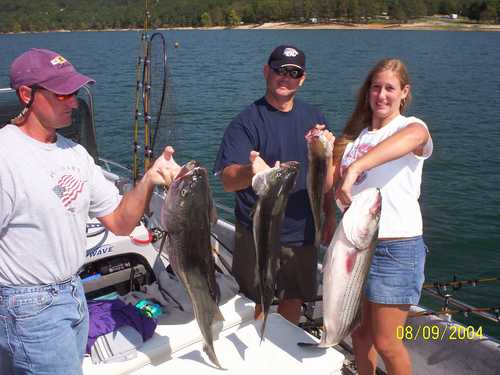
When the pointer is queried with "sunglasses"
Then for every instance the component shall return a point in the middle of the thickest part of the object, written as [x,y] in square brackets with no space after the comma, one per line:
[60,97]
[291,72]
[63,97]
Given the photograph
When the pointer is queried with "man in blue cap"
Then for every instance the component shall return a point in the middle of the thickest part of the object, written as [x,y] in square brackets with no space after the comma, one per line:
[272,129]
[49,187]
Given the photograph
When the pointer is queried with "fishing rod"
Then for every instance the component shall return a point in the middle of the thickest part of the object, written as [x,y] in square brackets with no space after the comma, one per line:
[493,311]
[489,313]
[450,301]
[139,79]
[457,284]
[151,83]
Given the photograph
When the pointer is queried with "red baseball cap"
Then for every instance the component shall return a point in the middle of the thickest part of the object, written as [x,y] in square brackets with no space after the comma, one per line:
[47,69]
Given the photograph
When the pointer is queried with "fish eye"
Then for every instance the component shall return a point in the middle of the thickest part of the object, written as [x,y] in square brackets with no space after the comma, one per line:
[184,192]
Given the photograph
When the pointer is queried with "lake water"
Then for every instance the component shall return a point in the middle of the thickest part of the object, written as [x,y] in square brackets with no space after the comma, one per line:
[214,74]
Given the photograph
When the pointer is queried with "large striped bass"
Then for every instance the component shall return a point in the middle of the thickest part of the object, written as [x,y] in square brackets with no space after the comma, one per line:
[272,187]
[186,214]
[319,152]
[346,265]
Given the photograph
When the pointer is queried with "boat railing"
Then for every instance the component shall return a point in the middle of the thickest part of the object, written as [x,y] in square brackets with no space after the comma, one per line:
[224,208]
[110,166]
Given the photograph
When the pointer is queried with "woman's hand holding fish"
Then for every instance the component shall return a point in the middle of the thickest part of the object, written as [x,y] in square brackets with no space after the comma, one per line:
[343,194]
[164,168]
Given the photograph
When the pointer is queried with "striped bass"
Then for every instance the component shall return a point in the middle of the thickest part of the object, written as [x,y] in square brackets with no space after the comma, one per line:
[272,187]
[346,265]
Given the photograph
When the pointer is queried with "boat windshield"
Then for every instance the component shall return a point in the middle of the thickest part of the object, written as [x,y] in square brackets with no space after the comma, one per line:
[81,130]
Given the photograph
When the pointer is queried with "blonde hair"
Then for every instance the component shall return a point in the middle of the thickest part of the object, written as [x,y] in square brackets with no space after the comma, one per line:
[362,114]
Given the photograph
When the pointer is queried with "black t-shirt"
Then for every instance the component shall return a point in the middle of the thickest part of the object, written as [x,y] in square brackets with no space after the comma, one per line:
[276,136]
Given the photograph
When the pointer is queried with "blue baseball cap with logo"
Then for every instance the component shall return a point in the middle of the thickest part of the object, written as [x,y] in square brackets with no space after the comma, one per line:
[287,55]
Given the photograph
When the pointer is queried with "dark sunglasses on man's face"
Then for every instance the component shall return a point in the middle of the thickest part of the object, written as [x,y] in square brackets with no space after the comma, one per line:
[63,97]
[292,72]
[60,97]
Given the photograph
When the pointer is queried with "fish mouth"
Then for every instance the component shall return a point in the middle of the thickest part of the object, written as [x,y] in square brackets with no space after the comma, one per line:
[313,133]
[187,169]
[292,165]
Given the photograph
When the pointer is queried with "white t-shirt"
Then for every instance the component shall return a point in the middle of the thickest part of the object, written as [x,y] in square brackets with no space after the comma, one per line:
[47,192]
[399,180]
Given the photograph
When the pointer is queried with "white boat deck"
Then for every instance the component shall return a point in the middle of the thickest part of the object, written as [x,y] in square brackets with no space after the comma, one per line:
[177,346]
[240,352]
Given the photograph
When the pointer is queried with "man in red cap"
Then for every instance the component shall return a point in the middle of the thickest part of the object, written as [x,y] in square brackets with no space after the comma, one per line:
[49,187]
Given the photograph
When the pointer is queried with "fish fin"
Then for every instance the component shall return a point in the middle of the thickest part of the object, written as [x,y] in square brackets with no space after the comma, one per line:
[214,288]
[218,315]
[209,350]
[216,292]
[252,212]
[212,210]
[259,182]
[263,327]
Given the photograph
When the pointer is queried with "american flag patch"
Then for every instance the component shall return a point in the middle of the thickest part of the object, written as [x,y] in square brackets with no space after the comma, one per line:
[67,189]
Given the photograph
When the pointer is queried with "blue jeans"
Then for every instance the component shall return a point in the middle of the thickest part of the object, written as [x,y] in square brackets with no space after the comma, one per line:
[397,272]
[43,329]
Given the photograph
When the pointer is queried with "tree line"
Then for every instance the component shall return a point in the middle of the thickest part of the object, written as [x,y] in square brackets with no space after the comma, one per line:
[40,15]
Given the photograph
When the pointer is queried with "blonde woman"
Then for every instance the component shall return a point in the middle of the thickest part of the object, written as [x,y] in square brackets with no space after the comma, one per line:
[385,149]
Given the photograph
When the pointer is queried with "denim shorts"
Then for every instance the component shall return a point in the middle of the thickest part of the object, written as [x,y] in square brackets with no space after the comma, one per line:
[397,272]
[43,329]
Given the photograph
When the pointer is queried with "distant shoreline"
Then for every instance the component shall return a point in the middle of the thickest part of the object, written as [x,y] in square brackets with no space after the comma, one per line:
[427,25]
[433,25]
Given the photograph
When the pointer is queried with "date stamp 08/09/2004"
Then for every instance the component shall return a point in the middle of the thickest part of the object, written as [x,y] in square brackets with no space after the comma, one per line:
[439,332]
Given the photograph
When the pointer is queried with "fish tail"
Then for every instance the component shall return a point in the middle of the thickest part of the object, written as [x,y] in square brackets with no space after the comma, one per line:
[263,327]
[209,350]
[326,341]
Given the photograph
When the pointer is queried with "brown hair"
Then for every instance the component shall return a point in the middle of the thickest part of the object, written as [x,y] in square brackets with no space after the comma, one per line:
[362,115]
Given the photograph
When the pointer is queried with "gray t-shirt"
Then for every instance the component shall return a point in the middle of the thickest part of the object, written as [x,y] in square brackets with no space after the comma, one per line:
[47,193]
